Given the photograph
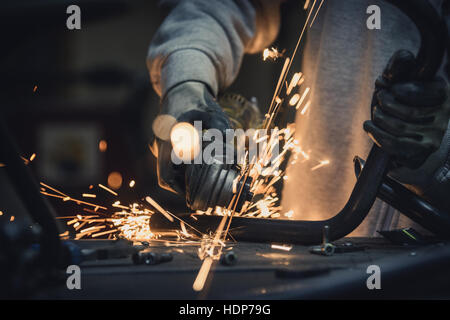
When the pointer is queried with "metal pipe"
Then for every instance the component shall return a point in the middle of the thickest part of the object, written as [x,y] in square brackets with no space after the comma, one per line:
[411,205]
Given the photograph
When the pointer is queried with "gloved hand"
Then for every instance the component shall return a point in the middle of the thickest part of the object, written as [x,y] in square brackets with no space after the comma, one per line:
[409,118]
[192,101]
[187,102]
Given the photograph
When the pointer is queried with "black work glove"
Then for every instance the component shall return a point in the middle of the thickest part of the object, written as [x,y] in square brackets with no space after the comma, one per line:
[187,102]
[192,101]
[409,118]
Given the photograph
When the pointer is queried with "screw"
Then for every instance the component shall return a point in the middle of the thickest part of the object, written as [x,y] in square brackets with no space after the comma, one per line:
[151,258]
[325,235]
[326,248]
[229,259]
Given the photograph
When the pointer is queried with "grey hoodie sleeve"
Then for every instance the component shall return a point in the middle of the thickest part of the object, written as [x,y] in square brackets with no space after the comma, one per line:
[205,40]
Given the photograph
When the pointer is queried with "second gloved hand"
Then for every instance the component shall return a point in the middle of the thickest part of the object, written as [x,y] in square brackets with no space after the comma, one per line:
[409,118]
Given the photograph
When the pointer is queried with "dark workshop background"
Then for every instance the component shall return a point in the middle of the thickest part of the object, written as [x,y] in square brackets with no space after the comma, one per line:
[64,91]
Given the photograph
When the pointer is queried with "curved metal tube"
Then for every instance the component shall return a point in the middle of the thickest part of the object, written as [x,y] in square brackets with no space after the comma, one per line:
[429,58]
[310,232]
[306,232]
[433,34]
[411,205]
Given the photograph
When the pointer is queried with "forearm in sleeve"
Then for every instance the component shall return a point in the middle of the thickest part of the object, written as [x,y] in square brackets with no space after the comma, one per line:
[205,40]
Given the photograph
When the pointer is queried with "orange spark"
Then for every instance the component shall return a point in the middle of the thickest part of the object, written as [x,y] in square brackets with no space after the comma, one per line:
[281,247]
[89,195]
[321,164]
[107,189]
[300,102]
[202,275]
[159,208]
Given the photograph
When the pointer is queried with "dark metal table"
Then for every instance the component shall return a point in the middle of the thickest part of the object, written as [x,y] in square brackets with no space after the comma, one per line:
[264,272]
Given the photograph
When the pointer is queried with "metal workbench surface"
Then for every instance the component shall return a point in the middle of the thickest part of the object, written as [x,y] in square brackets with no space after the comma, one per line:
[264,272]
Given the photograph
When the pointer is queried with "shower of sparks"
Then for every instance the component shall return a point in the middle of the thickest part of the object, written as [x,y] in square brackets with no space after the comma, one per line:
[211,250]
[134,224]
[65,197]
[132,221]
[266,172]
